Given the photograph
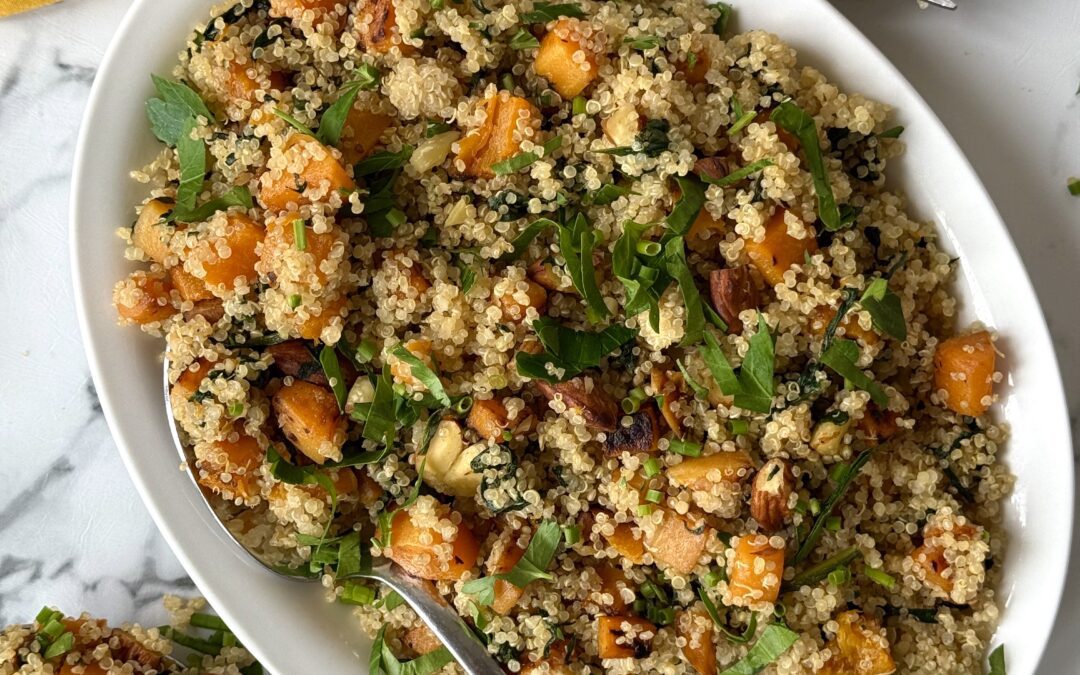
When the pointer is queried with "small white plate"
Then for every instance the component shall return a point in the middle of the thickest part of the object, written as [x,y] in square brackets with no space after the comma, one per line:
[286,624]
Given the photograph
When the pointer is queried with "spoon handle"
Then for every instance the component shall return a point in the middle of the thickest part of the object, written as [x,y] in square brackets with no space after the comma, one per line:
[443,621]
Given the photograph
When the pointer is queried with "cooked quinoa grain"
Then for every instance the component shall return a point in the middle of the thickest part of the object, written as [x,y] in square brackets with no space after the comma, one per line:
[472,284]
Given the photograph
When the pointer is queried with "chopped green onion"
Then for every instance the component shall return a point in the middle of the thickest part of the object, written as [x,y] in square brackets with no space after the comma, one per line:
[236,409]
[712,578]
[578,106]
[353,593]
[571,534]
[295,300]
[365,351]
[739,427]
[880,577]
[209,621]
[193,643]
[833,523]
[299,234]
[649,248]
[507,81]
[1074,187]
[652,467]
[837,471]
[45,615]
[59,646]
[685,448]
[633,400]
[839,576]
[654,496]
[643,509]
[463,404]
[815,507]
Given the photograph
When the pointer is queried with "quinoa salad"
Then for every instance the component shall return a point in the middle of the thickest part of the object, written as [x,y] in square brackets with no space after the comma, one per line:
[598,317]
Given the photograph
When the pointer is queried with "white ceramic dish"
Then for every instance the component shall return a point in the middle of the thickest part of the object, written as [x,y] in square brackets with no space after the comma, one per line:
[283,622]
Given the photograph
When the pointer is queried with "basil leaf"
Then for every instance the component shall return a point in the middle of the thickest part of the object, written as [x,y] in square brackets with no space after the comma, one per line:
[191,153]
[422,372]
[543,12]
[885,309]
[774,641]
[997,661]
[688,207]
[523,39]
[238,196]
[293,122]
[178,93]
[797,122]
[383,161]
[738,174]
[333,119]
[352,559]
[843,482]
[332,368]
[675,265]
[571,350]
[525,159]
[167,120]
[841,357]
[383,661]
[522,242]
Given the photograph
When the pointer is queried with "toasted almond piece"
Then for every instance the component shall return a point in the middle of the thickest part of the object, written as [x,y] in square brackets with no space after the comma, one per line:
[770,494]
[599,409]
[733,291]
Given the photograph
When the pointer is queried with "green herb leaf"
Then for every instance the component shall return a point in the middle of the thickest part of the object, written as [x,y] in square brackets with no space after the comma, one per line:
[237,196]
[383,661]
[892,133]
[607,194]
[699,391]
[1074,187]
[756,373]
[885,309]
[650,141]
[997,661]
[422,372]
[841,357]
[332,368]
[829,505]
[814,574]
[738,174]
[383,161]
[577,242]
[167,120]
[523,39]
[333,119]
[293,122]
[525,159]
[691,200]
[182,95]
[522,242]
[733,638]
[774,641]
[191,153]
[643,280]
[435,127]
[720,367]
[721,24]
[380,423]
[532,565]
[468,277]
[675,265]
[571,350]
[797,122]
[642,42]
[543,12]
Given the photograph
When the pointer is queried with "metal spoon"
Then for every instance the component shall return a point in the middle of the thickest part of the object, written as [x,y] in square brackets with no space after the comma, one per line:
[443,621]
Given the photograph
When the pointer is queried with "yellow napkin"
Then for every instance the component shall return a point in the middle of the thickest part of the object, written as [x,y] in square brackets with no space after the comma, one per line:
[9,7]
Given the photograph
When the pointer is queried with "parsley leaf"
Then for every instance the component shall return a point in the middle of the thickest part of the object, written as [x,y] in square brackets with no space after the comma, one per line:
[422,372]
[885,309]
[383,161]
[675,265]
[533,565]
[691,199]
[570,350]
[383,660]
[522,242]
[191,153]
[841,357]
[577,241]
[753,388]
[997,661]
[179,94]
[800,124]
[333,119]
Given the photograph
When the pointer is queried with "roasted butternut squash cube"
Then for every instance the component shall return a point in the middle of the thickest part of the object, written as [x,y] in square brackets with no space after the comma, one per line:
[515,304]
[294,9]
[226,256]
[144,297]
[151,234]
[189,286]
[313,325]
[509,121]
[696,626]
[229,467]
[488,418]
[375,27]
[421,551]
[420,640]
[858,648]
[705,234]
[626,543]
[700,473]
[313,172]
[756,571]
[506,593]
[280,258]
[778,251]
[964,370]
[677,542]
[623,637]
[612,581]
[564,60]
[822,316]
[188,382]
[308,416]
[361,133]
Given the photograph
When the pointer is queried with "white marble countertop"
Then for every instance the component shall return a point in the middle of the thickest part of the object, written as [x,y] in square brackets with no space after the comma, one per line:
[1002,75]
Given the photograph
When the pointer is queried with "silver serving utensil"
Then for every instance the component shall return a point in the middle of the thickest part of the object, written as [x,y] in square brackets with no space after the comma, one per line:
[443,621]
[944,4]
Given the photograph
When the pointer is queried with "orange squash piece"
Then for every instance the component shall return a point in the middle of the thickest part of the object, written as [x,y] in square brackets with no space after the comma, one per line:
[677,543]
[150,234]
[499,137]
[614,639]
[778,251]
[361,133]
[964,368]
[308,416]
[506,593]
[281,238]
[700,650]
[413,548]
[626,543]
[695,67]
[750,582]
[144,297]
[189,382]
[320,174]
[312,327]
[555,59]
[858,648]
[612,581]
[189,286]
[699,473]
[376,28]
[705,234]
[822,316]
[241,238]
[421,640]
[294,9]
[243,453]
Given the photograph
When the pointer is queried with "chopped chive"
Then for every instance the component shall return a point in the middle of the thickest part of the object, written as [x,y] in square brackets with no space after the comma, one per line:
[633,400]
[685,448]
[712,578]
[45,615]
[813,575]
[644,509]
[208,621]
[463,405]
[299,234]
[59,646]
[236,409]
[294,301]
[507,81]
[648,248]
[880,577]
[741,123]
[654,496]
[839,576]
[832,523]
[739,427]
[665,616]
[652,467]
[52,628]
[578,106]
[571,534]
[353,593]
[365,351]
